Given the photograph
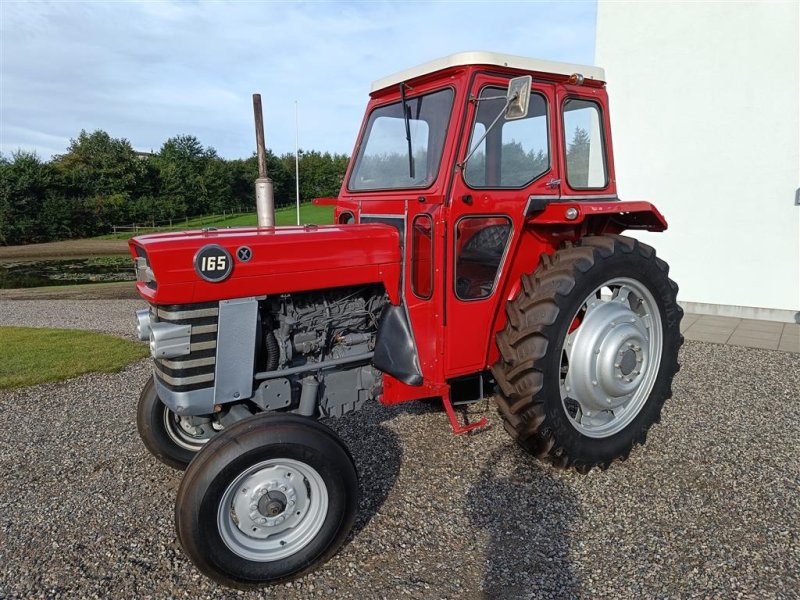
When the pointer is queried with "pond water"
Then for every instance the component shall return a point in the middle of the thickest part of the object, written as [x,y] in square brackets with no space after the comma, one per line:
[99,269]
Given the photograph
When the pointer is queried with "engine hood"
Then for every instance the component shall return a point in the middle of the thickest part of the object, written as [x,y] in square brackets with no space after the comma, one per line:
[282,259]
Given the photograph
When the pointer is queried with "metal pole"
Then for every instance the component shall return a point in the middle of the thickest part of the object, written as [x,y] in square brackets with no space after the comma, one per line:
[297,160]
[265,200]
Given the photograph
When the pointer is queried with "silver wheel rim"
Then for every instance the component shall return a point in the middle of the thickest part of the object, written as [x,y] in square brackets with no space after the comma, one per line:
[272,510]
[184,434]
[610,361]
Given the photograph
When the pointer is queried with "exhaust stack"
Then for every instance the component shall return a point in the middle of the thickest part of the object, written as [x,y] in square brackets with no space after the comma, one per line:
[265,200]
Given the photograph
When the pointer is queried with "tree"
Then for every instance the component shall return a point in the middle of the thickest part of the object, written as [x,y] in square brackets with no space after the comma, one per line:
[25,182]
[321,174]
[100,181]
[96,164]
[180,163]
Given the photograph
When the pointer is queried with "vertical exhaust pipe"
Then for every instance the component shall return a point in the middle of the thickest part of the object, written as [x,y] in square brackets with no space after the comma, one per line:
[265,199]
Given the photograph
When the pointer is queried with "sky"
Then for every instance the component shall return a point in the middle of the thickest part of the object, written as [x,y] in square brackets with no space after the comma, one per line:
[146,71]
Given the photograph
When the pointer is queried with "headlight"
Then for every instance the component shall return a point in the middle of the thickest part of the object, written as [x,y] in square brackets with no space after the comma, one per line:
[168,340]
[144,272]
[143,324]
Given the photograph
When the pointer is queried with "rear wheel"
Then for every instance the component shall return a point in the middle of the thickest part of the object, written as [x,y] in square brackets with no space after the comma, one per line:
[589,352]
[267,500]
[171,438]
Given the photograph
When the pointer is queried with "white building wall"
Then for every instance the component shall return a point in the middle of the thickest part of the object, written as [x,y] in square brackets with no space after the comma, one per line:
[705,113]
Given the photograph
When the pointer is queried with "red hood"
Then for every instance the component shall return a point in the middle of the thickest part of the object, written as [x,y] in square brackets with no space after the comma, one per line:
[284,259]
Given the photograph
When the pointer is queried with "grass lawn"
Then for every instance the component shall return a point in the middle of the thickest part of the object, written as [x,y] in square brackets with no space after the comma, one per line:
[31,355]
[309,213]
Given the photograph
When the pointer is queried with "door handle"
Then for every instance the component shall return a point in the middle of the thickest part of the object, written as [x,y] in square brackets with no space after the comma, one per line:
[553,183]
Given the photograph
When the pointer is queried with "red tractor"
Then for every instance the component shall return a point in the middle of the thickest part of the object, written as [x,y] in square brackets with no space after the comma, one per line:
[476,252]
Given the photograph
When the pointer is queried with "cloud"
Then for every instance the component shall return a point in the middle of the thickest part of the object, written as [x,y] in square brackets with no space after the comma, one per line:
[146,71]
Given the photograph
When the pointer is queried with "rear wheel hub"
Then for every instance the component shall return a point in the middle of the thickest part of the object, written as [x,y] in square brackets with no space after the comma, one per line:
[608,359]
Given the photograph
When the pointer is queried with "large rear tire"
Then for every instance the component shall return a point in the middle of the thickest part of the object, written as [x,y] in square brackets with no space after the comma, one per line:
[267,500]
[589,352]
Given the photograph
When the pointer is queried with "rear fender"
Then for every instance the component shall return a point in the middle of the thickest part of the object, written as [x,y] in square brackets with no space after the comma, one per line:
[587,218]
[552,223]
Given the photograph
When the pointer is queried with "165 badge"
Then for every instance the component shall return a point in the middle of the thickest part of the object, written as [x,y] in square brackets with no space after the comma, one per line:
[213,263]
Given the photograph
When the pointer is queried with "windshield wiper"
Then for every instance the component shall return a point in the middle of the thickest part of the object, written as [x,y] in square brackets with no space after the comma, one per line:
[407,118]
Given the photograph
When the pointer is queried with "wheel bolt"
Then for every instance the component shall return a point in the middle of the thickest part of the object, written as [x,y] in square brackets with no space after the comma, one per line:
[616,365]
[594,383]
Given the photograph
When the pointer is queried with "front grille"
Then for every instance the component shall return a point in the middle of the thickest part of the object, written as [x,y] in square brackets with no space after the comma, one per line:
[195,370]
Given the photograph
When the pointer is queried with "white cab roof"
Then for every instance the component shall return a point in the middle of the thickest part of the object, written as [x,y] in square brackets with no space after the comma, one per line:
[489,58]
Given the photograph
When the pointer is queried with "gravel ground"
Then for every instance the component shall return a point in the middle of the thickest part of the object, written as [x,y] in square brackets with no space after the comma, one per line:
[708,507]
[109,316]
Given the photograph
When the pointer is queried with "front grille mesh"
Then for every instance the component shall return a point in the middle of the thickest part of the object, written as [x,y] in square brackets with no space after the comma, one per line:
[195,370]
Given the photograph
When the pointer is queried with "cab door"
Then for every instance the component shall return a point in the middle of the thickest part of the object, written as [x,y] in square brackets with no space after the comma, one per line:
[511,168]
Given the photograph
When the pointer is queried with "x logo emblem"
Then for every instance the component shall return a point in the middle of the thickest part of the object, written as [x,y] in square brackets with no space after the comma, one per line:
[244,253]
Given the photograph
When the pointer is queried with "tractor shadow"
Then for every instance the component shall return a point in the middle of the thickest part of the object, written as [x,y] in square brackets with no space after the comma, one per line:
[377,453]
[526,510]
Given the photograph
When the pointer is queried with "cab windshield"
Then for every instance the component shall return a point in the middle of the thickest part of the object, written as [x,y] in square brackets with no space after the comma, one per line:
[383,160]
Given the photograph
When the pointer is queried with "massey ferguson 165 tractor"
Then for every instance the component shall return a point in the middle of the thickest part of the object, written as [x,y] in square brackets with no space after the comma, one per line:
[476,252]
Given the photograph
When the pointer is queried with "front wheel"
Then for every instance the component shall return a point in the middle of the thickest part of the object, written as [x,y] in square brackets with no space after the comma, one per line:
[171,438]
[267,500]
[589,352]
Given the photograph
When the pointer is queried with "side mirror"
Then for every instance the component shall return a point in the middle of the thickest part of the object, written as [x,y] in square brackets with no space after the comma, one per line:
[518,97]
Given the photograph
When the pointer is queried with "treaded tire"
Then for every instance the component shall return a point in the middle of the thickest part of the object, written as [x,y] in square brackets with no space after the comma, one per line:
[539,319]
[152,430]
[240,447]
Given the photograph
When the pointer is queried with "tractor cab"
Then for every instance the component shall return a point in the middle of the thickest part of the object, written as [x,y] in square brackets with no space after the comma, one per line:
[483,162]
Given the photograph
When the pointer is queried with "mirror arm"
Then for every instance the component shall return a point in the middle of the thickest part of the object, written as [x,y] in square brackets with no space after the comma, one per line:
[488,129]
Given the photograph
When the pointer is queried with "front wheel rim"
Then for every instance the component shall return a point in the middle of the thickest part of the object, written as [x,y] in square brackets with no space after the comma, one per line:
[185,435]
[272,510]
[610,357]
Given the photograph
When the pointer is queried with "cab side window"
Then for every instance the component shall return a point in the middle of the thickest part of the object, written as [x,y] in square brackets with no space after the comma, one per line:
[480,246]
[586,154]
[515,152]
[422,256]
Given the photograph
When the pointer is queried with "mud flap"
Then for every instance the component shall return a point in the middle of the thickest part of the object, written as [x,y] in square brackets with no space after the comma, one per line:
[395,349]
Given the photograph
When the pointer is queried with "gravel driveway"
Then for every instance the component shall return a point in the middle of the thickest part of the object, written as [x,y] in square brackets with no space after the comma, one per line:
[709,507]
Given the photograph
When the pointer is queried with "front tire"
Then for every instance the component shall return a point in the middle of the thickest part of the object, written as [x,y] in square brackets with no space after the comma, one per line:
[589,352]
[172,439]
[267,500]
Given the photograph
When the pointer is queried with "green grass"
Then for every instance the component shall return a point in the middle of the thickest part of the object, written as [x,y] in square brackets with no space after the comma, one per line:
[29,356]
[309,213]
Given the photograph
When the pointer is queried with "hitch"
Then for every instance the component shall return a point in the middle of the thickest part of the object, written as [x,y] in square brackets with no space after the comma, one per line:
[458,428]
